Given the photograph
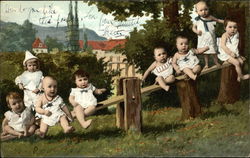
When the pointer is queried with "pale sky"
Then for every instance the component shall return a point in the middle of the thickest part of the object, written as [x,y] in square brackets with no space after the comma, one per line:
[53,13]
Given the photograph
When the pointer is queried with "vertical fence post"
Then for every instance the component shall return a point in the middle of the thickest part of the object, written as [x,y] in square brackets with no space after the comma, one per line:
[132,101]
[190,103]
[120,106]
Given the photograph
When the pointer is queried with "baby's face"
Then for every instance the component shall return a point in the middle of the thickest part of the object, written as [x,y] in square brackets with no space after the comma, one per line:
[32,65]
[202,9]
[231,28]
[16,105]
[50,87]
[81,82]
[182,45]
[160,55]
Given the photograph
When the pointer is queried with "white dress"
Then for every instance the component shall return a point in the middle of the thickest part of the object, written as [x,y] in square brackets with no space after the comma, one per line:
[207,38]
[18,121]
[84,96]
[30,81]
[54,107]
[232,43]
[164,70]
[189,60]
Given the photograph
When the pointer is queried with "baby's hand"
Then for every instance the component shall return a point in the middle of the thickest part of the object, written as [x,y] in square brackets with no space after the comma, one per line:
[232,55]
[199,32]
[47,113]
[36,91]
[103,90]
[20,85]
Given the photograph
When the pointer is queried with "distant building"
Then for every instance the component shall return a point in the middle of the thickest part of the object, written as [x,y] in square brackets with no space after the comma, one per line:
[39,47]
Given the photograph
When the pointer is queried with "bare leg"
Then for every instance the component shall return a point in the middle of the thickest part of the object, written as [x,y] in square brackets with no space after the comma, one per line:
[81,118]
[236,63]
[31,130]
[216,60]
[89,111]
[43,129]
[170,79]
[206,61]
[65,124]
[162,83]
[73,114]
[190,73]
[10,130]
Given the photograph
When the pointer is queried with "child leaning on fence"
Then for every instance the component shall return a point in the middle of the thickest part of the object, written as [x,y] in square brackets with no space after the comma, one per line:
[204,27]
[30,80]
[162,68]
[228,47]
[19,121]
[82,98]
[185,59]
[52,108]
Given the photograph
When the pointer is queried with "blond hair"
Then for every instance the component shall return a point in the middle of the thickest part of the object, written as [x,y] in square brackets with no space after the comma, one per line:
[13,95]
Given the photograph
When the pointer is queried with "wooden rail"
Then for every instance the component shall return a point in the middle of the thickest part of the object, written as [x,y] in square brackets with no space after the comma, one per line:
[152,88]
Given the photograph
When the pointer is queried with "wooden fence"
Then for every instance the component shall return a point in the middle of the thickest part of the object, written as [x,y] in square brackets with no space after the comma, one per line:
[128,99]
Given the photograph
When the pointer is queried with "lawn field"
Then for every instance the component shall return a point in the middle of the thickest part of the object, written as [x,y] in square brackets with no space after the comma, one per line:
[220,131]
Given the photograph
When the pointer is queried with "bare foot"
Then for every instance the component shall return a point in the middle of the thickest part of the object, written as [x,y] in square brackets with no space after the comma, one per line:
[166,88]
[245,77]
[238,79]
[39,133]
[69,130]
[194,78]
[87,124]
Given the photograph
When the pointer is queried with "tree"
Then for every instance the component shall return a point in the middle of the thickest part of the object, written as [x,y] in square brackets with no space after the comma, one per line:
[28,35]
[53,43]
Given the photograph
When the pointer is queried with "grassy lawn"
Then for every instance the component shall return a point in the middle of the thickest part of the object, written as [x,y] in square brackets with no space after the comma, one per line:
[220,131]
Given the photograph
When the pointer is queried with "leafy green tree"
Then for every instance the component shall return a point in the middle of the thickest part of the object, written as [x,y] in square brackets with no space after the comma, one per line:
[53,43]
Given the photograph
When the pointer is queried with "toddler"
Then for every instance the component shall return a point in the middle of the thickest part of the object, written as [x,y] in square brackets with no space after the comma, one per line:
[162,68]
[228,48]
[52,108]
[30,80]
[204,27]
[82,98]
[18,121]
[185,60]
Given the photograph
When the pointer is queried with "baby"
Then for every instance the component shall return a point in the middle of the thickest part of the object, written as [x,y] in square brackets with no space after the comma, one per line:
[19,121]
[204,27]
[228,48]
[52,108]
[185,60]
[162,68]
[30,80]
[82,98]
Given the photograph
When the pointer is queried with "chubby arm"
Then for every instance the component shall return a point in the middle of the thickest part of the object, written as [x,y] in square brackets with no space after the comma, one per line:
[215,19]
[39,108]
[72,101]
[150,68]
[194,28]
[174,63]
[100,91]
[223,45]
[201,50]
[66,110]
[4,123]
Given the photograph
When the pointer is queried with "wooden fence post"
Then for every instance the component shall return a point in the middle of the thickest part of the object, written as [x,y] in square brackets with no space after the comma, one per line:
[189,99]
[132,101]
[120,106]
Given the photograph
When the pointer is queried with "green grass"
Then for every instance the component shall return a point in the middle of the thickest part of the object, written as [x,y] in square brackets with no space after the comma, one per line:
[220,131]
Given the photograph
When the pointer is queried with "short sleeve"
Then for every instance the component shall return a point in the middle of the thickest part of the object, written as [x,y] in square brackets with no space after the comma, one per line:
[195,22]
[73,92]
[93,88]
[61,102]
[7,115]
[18,80]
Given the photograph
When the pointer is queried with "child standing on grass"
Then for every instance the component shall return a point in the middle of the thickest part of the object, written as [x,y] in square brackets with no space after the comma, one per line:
[185,60]
[228,48]
[52,108]
[204,27]
[162,68]
[82,98]
[30,80]
[19,121]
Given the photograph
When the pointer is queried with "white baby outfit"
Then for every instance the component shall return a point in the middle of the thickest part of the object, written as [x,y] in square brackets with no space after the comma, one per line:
[54,107]
[30,81]
[232,43]
[18,121]
[164,70]
[84,96]
[207,38]
[189,60]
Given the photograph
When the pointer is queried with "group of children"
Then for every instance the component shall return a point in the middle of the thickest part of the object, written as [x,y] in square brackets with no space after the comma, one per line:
[41,107]
[185,59]
[40,93]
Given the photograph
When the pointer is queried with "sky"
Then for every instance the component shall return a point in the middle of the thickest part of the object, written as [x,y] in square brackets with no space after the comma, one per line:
[54,13]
